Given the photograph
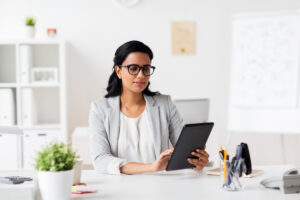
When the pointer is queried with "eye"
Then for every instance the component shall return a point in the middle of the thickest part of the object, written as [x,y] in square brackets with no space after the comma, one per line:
[146,69]
[133,68]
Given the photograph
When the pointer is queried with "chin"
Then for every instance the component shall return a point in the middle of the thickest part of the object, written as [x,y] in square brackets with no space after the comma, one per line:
[138,90]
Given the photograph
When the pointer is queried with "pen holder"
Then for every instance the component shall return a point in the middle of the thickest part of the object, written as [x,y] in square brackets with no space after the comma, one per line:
[231,181]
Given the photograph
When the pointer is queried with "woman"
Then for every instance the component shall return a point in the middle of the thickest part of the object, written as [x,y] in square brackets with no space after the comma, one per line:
[131,127]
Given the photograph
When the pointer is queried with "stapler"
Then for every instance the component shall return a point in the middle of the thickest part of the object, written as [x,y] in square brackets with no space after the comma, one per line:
[291,181]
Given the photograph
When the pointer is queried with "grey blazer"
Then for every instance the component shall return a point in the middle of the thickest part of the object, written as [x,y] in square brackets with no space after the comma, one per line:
[104,128]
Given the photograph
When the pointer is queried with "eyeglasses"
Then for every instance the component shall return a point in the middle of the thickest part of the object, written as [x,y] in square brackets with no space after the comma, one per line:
[134,69]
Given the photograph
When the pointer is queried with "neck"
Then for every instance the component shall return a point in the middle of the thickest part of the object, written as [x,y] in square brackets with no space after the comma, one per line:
[131,99]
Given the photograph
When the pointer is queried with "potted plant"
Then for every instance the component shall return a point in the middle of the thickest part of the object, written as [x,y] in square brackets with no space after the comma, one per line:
[30,30]
[55,171]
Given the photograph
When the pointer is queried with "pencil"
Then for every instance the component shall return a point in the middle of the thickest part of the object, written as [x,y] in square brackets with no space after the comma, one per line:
[225,164]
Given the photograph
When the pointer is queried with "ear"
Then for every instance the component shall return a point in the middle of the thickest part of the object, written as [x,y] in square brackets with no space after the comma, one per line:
[118,71]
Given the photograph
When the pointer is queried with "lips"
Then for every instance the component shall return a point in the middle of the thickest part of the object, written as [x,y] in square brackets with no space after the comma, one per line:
[139,83]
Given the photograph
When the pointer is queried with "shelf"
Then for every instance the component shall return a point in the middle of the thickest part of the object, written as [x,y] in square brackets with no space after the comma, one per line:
[8,85]
[43,127]
[30,41]
[31,82]
[39,54]
[40,85]
[40,106]
[40,41]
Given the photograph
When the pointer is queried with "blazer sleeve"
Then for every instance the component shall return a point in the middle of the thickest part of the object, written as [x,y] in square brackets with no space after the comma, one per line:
[175,122]
[103,160]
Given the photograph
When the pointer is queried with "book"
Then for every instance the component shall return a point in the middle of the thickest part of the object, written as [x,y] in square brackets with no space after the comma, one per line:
[216,172]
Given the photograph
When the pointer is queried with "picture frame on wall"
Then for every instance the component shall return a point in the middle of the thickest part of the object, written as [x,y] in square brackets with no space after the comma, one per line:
[44,75]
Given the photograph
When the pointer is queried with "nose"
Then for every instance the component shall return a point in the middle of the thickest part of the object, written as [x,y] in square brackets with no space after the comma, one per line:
[141,74]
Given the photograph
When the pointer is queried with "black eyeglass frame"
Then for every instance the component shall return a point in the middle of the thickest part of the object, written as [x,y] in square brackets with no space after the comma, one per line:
[139,68]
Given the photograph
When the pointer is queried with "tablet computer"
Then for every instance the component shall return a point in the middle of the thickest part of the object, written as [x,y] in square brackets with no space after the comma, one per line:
[192,137]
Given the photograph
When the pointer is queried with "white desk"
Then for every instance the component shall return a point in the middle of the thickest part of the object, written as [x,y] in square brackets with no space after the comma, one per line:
[185,184]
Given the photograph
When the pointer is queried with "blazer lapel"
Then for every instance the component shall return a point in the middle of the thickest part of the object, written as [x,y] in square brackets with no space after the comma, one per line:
[114,124]
[113,114]
[154,121]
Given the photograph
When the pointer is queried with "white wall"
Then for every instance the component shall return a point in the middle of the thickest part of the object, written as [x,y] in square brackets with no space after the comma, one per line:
[95,28]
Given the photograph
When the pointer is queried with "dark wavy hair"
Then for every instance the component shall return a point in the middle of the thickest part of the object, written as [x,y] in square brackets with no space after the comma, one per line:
[114,87]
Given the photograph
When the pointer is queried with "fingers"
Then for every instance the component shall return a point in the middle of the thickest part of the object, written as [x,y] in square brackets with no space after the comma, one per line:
[200,153]
[202,156]
[201,161]
[199,164]
[166,154]
[203,152]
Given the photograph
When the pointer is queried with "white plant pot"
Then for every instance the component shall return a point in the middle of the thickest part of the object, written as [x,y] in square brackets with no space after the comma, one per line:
[77,171]
[55,185]
[30,31]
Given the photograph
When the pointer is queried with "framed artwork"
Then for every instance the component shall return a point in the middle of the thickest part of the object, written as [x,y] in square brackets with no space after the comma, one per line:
[183,37]
[44,75]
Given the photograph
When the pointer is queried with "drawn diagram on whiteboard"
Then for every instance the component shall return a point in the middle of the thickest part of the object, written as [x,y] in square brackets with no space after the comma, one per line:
[265,61]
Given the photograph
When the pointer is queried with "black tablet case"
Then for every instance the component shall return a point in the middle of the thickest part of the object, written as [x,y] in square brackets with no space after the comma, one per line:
[192,137]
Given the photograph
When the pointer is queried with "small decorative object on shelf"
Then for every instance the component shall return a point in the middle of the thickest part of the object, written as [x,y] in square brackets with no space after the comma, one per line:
[44,75]
[30,29]
[51,32]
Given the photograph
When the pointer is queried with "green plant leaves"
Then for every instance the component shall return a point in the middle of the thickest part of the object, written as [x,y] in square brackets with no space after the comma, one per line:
[30,21]
[56,157]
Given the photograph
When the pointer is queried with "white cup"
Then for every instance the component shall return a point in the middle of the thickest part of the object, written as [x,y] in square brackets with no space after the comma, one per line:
[77,171]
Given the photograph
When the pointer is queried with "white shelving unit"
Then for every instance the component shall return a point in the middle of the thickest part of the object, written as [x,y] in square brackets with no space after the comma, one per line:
[39,101]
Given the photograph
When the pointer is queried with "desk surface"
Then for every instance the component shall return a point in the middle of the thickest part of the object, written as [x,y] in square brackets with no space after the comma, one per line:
[184,184]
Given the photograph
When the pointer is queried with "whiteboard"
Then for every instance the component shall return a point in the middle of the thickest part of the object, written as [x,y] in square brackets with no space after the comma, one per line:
[264,90]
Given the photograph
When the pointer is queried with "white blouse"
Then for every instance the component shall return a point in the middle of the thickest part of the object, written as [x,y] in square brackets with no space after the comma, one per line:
[135,142]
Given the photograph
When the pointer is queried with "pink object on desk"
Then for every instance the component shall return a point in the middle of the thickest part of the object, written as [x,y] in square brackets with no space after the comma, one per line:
[81,189]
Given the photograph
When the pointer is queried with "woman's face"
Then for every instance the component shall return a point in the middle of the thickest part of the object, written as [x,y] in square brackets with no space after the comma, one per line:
[134,83]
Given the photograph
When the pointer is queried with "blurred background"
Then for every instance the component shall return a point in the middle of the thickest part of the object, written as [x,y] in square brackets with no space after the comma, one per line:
[79,38]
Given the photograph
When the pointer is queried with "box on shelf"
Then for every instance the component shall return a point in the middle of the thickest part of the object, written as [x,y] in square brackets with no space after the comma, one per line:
[7,63]
[25,63]
[28,108]
[7,107]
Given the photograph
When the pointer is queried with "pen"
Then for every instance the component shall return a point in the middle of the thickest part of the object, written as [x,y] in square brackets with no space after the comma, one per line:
[221,154]
[225,160]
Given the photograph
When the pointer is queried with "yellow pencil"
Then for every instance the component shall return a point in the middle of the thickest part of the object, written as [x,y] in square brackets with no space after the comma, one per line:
[225,164]
[221,148]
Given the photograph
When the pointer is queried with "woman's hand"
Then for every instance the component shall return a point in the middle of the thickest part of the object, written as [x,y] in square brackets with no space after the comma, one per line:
[162,162]
[201,161]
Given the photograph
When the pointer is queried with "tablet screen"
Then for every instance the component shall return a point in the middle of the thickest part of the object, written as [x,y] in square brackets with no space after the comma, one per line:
[192,137]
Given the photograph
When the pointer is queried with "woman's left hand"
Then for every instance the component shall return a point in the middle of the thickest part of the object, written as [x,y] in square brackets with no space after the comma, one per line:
[201,161]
